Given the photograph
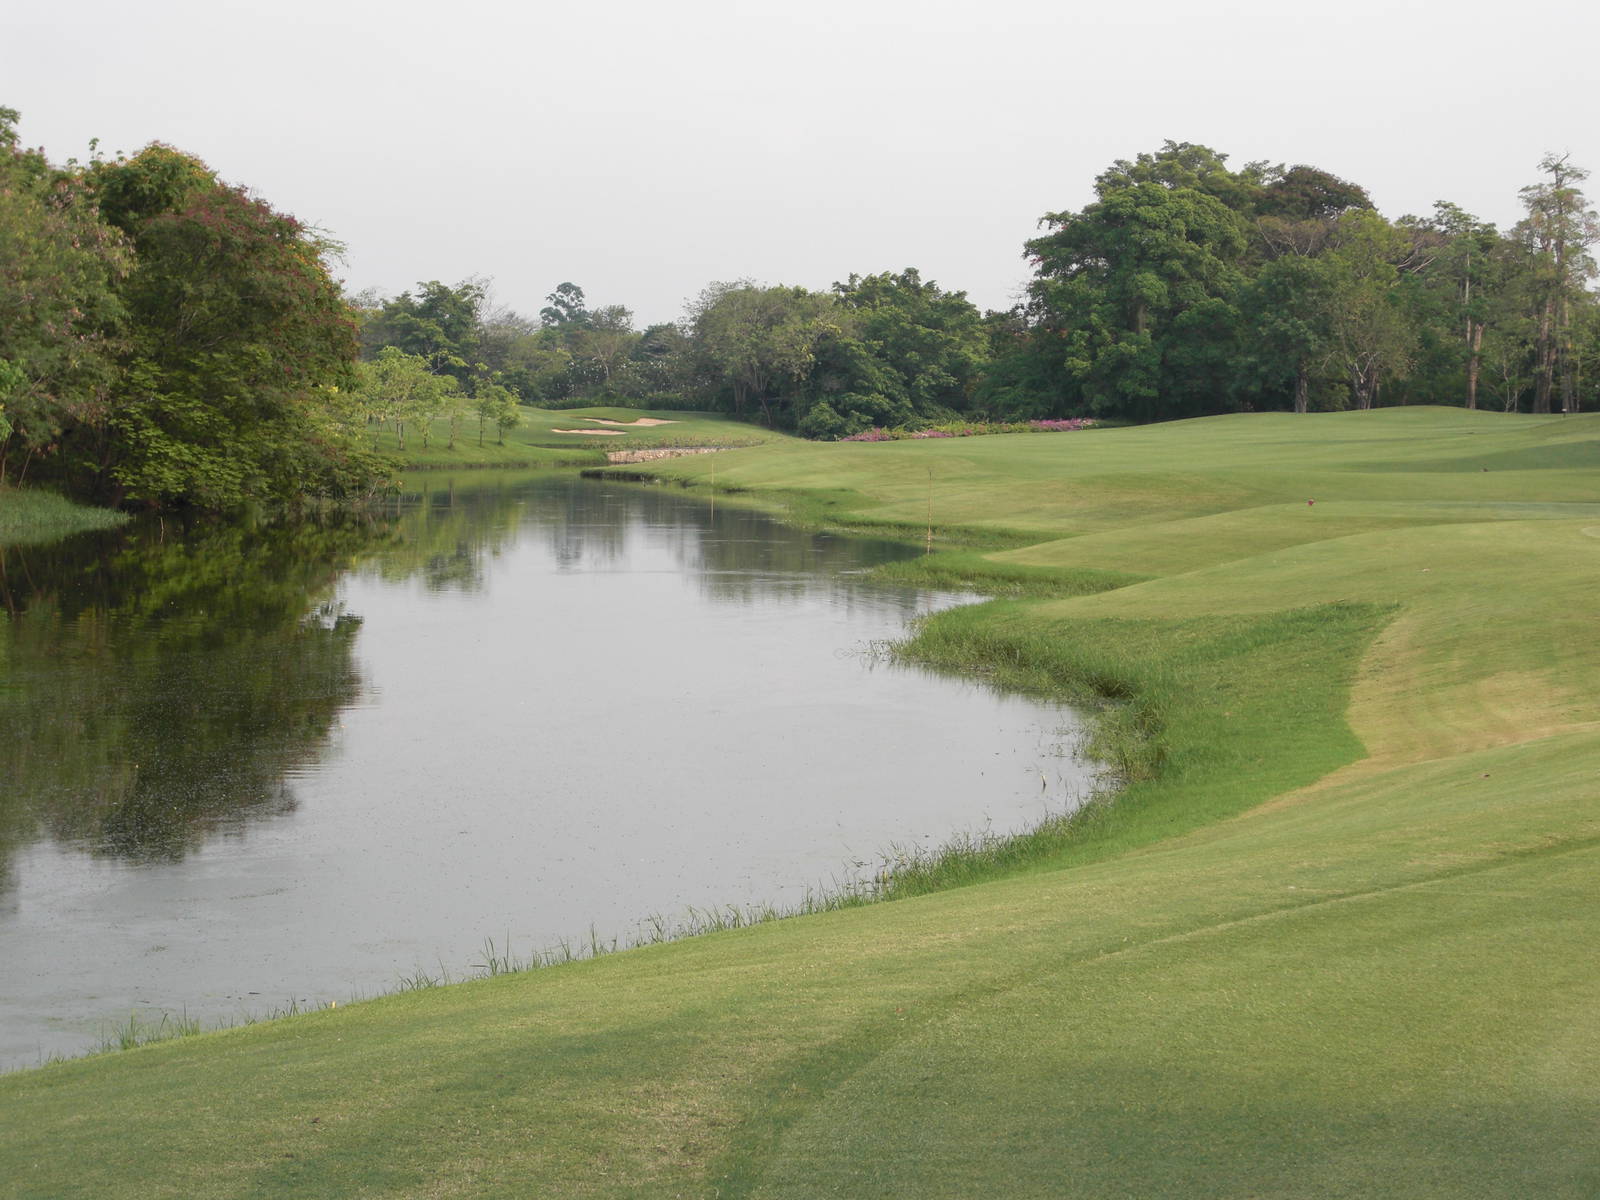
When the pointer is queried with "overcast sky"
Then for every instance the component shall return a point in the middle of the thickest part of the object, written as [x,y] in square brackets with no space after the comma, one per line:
[645,149]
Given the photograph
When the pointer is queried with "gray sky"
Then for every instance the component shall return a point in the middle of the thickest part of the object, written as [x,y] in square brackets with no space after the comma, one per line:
[645,149]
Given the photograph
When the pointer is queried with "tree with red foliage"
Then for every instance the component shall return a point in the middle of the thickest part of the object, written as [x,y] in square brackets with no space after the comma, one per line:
[235,383]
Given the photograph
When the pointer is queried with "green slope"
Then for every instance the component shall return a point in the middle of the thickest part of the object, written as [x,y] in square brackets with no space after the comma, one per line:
[1335,939]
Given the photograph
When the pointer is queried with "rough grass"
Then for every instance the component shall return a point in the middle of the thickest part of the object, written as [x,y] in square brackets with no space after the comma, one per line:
[29,516]
[1334,939]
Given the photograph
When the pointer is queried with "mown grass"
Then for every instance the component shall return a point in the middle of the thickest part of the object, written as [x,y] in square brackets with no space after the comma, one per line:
[29,516]
[1334,938]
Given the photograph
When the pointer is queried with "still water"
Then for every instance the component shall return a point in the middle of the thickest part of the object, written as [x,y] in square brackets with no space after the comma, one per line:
[247,767]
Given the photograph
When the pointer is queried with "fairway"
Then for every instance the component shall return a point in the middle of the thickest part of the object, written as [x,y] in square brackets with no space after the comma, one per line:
[1333,937]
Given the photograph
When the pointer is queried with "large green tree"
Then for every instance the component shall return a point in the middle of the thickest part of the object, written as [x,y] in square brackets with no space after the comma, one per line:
[1113,283]
[1372,330]
[933,340]
[60,267]
[1287,311]
[238,347]
[761,342]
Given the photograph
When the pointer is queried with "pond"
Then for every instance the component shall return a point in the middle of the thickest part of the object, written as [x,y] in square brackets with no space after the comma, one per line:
[244,767]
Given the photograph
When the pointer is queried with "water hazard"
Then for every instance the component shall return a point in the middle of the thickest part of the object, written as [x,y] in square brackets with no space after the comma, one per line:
[248,767]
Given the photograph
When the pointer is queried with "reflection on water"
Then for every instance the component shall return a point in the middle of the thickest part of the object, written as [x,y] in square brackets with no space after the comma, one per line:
[158,686]
[241,765]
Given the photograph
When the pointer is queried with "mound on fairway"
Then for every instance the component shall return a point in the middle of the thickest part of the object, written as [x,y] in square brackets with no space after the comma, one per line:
[1336,936]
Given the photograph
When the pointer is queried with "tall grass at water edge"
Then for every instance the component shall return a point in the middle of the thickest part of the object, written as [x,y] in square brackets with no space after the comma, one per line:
[29,516]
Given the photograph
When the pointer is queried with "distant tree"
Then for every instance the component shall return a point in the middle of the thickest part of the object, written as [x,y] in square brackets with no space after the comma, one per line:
[565,308]
[1022,378]
[1508,358]
[439,323]
[604,342]
[1559,228]
[1287,310]
[763,340]
[1187,166]
[541,369]
[507,416]
[400,387]
[502,334]
[849,387]
[1372,334]
[1465,268]
[661,360]
[1584,341]
[497,406]
[1298,208]
[933,340]
[1303,193]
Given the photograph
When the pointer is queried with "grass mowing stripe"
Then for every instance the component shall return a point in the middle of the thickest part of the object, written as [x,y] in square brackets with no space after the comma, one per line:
[837,1150]
[843,1064]
[1205,1081]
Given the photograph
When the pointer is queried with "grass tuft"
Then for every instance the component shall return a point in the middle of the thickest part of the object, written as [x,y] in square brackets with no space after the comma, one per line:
[137,1031]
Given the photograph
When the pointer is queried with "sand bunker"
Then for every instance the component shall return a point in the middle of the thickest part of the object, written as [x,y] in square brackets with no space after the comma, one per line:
[630,424]
[592,432]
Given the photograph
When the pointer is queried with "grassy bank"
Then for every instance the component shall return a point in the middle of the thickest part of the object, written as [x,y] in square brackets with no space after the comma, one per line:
[1335,938]
[32,517]
[566,437]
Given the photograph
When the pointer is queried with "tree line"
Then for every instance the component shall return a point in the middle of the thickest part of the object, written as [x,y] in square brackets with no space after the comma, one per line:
[1185,288]
[167,338]
[885,349]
